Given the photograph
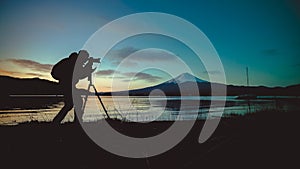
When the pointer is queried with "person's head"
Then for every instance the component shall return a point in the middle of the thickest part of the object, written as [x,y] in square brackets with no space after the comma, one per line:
[83,56]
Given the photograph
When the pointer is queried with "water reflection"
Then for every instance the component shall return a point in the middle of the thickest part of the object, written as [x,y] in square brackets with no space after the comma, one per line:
[144,109]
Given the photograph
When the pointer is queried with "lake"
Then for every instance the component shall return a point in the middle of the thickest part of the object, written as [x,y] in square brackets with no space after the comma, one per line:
[145,109]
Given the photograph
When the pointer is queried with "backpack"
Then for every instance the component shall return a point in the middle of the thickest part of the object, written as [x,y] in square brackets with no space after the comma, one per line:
[58,71]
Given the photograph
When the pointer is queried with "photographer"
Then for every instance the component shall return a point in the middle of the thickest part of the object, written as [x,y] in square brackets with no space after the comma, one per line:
[68,72]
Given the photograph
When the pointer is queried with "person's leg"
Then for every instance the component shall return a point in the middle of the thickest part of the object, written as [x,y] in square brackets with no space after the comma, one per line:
[78,113]
[64,111]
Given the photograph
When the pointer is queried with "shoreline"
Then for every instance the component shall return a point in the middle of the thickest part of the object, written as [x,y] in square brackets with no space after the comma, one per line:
[261,139]
[34,107]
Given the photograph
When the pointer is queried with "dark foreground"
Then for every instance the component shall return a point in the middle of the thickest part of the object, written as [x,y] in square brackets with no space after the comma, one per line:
[264,139]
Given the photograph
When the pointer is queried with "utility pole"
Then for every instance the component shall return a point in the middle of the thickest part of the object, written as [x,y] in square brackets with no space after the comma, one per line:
[247,76]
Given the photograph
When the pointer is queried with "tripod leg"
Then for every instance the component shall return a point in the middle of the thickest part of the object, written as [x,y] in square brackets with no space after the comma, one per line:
[85,99]
[96,92]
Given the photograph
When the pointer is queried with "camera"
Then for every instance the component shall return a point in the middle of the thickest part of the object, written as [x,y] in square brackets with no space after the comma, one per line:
[94,60]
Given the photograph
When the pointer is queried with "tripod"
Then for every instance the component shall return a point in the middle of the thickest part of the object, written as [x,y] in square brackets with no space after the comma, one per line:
[96,93]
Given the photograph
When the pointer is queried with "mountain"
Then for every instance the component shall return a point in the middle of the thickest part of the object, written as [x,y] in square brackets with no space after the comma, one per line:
[170,87]
[186,81]
[34,86]
[185,77]
[183,83]
[26,86]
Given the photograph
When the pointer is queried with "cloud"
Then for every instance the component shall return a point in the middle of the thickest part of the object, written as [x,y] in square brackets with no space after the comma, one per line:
[8,73]
[35,74]
[120,54]
[128,63]
[154,55]
[212,72]
[139,56]
[107,72]
[21,74]
[270,52]
[128,76]
[142,76]
[23,68]
[35,66]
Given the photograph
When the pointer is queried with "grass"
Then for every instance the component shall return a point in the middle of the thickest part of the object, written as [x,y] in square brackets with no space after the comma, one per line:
[266,138]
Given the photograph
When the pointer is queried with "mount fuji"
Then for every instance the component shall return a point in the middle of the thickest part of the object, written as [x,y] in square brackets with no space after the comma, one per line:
[16,86]
[186,77]
[183,83]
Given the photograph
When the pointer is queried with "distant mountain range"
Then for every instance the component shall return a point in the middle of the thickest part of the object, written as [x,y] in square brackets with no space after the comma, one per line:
[17,86]
[36,86]
[186,81]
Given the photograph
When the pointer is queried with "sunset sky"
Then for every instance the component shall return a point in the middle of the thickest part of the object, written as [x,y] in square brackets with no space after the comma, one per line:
[263,35]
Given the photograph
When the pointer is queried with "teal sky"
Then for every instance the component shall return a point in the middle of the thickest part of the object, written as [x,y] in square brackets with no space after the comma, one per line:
[263,35]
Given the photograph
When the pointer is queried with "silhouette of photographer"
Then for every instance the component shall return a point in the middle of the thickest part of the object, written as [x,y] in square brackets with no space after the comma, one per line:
[68,72]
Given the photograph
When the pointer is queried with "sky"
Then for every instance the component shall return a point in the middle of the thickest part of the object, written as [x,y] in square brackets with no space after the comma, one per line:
[262,35]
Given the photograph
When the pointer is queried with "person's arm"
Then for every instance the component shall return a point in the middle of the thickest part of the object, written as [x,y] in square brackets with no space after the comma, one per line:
[84,71]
